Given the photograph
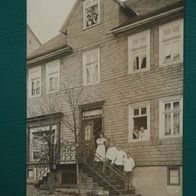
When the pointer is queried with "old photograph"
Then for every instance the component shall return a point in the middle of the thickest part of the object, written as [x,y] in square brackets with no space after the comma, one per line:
[104,98]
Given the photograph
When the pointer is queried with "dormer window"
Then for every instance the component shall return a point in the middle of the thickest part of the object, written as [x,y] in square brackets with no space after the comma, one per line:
[171,43]
[91,13]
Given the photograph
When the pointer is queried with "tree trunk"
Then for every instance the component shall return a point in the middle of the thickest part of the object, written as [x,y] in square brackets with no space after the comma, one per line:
[51,181]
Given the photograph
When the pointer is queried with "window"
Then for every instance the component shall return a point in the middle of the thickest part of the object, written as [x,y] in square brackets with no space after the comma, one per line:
[91,67]
[30,173]
[39,138]
[91,13]
[139,52]
[139,122]
[171,43]
[88,131]
[52,76]
[170,117]
[35,82]
[173,175]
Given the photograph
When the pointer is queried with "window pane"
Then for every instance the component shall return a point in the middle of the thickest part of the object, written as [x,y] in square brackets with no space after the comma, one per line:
[174,176]
[143,110]
[95,72]
[136,62]
[136,112]
[92,73]
[167,124]
[55,83]
[30,174]
[143,61]
[51,84]
[143,41]
[33,90]
[167,107]
[176,50]
[37,87]
[176,30]
[140,122]
[166,33]
[176,105]
[176,119]
[92,15]
[135,43]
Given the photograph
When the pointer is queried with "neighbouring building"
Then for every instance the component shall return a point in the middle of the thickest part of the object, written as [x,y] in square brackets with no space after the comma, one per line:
[33,42]
[125,58]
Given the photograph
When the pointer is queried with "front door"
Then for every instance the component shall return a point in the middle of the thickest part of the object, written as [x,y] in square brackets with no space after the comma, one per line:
[88,134]
[92,128]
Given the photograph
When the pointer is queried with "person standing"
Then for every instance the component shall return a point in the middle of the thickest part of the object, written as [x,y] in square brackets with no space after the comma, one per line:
[119,158]
[100,151]
[129,164]
[111,153]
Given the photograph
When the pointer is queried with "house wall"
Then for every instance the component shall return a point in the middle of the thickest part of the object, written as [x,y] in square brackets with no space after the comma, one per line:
[153,181]
[119,89]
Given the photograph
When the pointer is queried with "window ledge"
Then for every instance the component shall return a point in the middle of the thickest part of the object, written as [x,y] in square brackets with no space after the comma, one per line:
[30,97]
[139,71]
[170,137]
[86,28]
[91,84]
[170,64]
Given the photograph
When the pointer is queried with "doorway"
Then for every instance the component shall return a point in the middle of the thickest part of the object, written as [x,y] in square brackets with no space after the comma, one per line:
[92,127]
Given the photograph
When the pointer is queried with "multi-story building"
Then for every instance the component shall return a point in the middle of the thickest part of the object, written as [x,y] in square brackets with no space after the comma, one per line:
[125,58]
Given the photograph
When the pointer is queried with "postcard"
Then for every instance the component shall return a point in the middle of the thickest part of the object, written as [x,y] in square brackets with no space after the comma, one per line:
[105,98]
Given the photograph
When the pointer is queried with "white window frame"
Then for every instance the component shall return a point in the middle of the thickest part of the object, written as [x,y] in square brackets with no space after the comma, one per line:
[161,116]
[52,65]
[84,13]
[96,50]
[162,40]
[131,53]
[177,168]
[39,129]
[32,73]
[131,121]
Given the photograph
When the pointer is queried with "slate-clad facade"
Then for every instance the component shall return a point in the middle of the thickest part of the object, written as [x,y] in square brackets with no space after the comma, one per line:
[154,91]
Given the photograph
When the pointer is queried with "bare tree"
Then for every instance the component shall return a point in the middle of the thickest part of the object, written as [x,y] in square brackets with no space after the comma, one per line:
[71,121]
[67,105]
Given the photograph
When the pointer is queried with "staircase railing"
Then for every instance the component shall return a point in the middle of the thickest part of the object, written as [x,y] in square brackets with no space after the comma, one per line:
[87,158]
[104,179]
[43,164]
[41,172]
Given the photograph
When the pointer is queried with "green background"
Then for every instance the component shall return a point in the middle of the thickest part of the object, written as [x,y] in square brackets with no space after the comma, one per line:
[190,99]
[13,98]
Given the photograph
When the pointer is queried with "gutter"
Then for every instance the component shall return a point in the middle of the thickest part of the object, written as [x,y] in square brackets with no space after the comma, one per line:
[58,52]
[147,20]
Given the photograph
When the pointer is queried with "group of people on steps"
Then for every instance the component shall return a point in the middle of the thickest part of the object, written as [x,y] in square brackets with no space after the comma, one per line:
[115,155]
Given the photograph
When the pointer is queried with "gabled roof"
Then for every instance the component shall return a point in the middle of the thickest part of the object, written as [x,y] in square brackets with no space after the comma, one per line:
[143,7]
[33,34]
[128,11]
[176,7]
[68,18]
[56,43]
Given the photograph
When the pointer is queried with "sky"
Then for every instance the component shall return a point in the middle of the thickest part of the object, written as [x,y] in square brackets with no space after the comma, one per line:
[45,17]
